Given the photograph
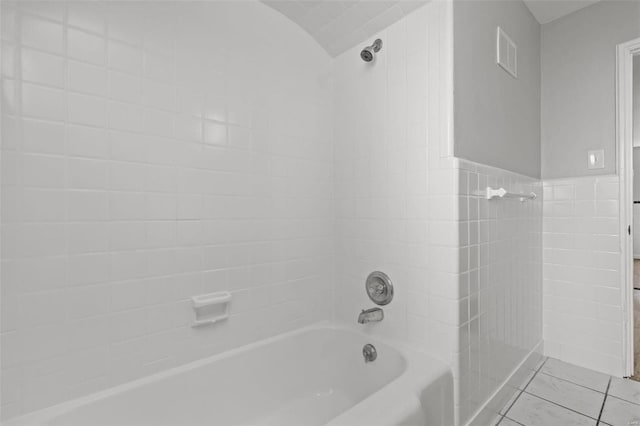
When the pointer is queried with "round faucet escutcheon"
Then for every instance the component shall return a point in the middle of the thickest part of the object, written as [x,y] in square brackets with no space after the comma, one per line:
[369,353]
[379,288]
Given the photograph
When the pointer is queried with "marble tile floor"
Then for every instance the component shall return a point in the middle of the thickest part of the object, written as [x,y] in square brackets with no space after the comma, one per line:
[561,394]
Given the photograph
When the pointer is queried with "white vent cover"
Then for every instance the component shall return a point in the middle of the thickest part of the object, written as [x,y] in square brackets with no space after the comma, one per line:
[507,53]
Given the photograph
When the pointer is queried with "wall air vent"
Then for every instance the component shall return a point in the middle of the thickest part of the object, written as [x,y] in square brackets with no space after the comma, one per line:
[507,53]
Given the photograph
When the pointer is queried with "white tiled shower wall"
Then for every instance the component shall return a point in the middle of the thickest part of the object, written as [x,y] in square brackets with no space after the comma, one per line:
[151,152]
[156,163]
[467,271]
[582,295]
[395,202]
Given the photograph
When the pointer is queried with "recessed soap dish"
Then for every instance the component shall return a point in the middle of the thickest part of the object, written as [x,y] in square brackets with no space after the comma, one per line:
[210,308]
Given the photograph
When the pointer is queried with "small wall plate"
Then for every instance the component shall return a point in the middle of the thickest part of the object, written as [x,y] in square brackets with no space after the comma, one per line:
[379,288]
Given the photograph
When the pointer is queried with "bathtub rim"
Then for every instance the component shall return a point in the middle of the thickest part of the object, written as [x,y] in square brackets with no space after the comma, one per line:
[415,375]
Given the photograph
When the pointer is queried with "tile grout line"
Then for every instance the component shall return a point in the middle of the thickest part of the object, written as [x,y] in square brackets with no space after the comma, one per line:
[575,384]
[521,391]
[561,406]
[512,420]
[604,401]
[623,400]
[569,381]
[512,404]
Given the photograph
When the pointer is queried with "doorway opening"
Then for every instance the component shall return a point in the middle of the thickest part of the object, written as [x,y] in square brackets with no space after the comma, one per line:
[628,143]
[636,216]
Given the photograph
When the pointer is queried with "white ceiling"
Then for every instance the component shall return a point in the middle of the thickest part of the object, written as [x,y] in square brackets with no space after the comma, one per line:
[338,25]
[546,11]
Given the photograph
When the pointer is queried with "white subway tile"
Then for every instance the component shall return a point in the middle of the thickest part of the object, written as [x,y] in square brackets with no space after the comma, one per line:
[86,174]
[42,68]
[157,122]
[127,235]
[125,116]
[127,295]
[87,301]
[43,171]
[128,265]
[161,206]
[85,141]
[41,343]
[43,137]
[86,78]
[127,176]
[128,324]
[87,237]
[88,16]
[43,205]
[158,95]
[125,87]
[45,308]
[42,102]
[127,206]
[128,146]
[124,57]
[86,47]
[42,34]
[87,110]
[87,205]
[88,269]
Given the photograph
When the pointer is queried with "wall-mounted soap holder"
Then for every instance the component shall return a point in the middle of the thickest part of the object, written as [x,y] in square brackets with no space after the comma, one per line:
[210,308]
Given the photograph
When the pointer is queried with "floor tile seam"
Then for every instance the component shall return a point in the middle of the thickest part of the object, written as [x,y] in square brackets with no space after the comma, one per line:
[520,391]
[535,373]
[514,401]
[623,400]
[573,383]
[512,420]
[560,405]
[604,401]
[542,364]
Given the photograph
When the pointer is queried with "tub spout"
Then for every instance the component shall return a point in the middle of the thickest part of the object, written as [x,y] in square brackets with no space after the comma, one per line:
[370,315]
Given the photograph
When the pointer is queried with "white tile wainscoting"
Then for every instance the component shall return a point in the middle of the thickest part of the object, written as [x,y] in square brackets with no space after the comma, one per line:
[501,272]
[582,287]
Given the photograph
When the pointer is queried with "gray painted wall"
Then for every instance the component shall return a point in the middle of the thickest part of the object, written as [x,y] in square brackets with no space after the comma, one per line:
[496,117]
[636,174]
[578,85]
[636,101]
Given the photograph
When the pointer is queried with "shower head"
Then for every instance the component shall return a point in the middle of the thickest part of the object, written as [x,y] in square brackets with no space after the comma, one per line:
[369,52]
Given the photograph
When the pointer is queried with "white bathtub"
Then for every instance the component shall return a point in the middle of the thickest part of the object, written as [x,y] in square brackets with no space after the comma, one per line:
[313,376]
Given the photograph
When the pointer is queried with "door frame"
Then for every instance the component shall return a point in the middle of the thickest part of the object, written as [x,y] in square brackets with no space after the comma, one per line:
[624,147]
